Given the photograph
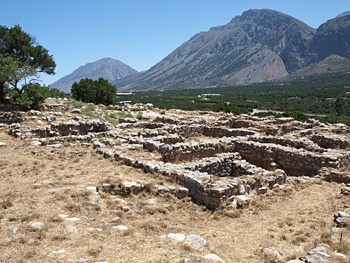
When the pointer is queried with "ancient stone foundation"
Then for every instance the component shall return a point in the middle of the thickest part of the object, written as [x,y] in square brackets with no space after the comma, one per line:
[215,156]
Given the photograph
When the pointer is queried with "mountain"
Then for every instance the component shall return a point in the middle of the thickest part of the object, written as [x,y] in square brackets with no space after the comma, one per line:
[259,45]
[332,37]
[107,68]
[344,14]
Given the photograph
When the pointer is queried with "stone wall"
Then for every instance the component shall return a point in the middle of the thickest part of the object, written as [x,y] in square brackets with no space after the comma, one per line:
[295,162]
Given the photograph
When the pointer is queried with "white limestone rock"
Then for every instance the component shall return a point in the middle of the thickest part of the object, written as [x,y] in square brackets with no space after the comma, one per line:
[177,237]
[37,225]
[120,228]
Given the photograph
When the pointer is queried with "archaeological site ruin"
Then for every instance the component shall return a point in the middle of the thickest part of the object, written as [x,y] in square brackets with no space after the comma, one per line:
[209,156]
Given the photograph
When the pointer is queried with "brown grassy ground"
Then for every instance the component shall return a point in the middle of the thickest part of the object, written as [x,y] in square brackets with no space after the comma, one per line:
[40,183]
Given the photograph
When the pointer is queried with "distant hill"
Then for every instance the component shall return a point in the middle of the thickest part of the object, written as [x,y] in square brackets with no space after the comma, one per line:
[331,64]
[107,68]
[259,45]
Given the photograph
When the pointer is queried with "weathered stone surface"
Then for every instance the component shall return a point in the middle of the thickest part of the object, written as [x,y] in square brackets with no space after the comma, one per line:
[124,188]
[273,253]
[345,190]
[196,241]
[342,219]
[242,201]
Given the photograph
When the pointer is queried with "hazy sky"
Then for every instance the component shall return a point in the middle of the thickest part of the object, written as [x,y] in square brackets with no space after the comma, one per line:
[139,33]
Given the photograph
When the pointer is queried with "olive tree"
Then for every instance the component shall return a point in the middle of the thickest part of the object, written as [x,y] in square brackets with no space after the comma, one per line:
[21,60]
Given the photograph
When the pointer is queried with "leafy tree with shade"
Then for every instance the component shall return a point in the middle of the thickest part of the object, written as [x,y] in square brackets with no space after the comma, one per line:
[21,60]
[95,91]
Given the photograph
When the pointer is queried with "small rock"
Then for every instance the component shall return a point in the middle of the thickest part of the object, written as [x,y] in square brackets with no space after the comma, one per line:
[92,188]
[63,216]
[121,228]
[178,237]
[76,111]
[272,252]
[37,225]
[13,229]
[340,255]
[196,241]
[242,201]
[262,190]
[163,190]
[2,144]
[36,143]
[213,257]
[181,192]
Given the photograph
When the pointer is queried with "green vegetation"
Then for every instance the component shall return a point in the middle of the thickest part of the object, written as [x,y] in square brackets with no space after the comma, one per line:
[95,91]
[21,60]
[324,96]
[226,107]
[33,95]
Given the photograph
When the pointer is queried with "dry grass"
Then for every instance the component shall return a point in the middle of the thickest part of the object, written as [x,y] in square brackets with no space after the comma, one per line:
[39,184]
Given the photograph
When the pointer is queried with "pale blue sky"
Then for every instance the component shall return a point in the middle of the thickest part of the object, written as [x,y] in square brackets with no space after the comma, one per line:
[139,33]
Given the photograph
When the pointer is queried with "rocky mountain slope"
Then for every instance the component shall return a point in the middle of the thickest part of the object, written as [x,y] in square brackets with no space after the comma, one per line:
[257,46]
[107,68]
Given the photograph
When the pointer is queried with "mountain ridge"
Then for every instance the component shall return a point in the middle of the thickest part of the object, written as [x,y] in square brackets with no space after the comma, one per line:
[258,45]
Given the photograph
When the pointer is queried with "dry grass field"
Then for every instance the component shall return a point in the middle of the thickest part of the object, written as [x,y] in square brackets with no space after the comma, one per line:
[38,184]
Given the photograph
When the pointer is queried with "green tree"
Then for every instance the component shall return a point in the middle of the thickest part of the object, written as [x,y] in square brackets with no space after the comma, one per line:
[21,58]
[226,107]
[339,106]
[95,91]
